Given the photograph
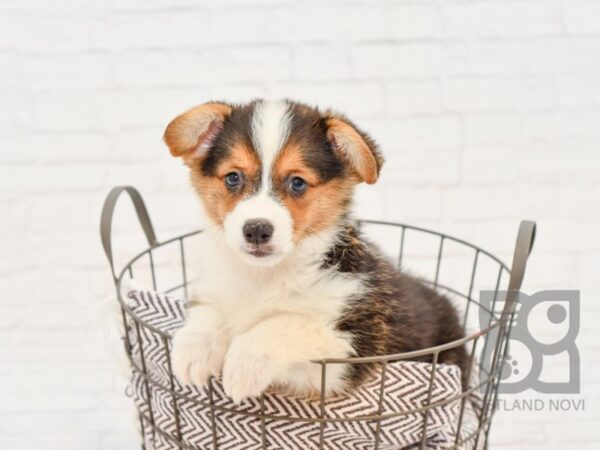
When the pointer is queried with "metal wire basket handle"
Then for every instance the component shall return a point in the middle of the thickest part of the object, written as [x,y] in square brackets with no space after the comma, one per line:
[523,247]
[108,210]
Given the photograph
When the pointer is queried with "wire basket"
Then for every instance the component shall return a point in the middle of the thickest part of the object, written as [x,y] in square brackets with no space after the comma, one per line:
[487,344]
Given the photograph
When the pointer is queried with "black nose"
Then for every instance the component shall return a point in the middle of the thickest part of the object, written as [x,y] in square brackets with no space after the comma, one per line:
[258,231]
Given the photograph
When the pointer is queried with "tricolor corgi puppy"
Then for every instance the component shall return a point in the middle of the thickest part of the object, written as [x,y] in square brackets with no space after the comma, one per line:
[287,278]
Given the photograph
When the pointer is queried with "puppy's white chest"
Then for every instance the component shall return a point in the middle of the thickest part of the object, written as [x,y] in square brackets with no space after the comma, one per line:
[244,299]
[246,295]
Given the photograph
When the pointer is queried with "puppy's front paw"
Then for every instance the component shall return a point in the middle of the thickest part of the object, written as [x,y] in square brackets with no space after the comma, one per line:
[197,355]
[248,373]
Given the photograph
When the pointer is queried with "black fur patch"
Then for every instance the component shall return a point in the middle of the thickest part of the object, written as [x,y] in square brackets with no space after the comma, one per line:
[397,314]
[308,131]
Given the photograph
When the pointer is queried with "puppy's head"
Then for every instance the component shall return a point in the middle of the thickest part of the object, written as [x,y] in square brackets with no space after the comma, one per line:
[272,173]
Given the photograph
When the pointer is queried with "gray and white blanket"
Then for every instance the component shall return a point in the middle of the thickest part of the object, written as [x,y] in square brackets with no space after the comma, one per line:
[182,413]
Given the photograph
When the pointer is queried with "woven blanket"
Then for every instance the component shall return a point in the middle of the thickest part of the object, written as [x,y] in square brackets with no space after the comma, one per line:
[189,419]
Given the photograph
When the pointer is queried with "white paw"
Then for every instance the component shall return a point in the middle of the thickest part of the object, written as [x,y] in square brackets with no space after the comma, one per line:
[248,373]
[197,355]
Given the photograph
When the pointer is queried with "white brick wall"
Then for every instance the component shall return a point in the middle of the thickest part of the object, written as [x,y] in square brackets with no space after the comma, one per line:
[488,112]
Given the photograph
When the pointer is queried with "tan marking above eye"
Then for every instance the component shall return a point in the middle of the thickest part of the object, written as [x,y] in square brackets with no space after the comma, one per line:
[217,198]
[241,159]
[290,163]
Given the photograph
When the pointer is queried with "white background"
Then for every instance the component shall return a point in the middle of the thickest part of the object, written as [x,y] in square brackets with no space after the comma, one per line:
[487,111]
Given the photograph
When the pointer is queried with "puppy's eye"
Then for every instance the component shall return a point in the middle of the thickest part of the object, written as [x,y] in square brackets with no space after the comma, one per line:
[298,185]
[233,179]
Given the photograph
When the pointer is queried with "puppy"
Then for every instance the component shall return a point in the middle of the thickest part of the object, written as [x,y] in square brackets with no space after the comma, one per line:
[286,276]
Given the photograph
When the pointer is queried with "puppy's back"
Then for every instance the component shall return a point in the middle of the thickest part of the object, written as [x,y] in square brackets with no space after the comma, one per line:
[396,313]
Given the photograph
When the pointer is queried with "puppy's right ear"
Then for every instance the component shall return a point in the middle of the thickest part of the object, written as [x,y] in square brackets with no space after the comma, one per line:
[191,134]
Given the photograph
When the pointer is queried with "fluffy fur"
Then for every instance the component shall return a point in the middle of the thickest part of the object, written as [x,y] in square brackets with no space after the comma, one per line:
[310,286]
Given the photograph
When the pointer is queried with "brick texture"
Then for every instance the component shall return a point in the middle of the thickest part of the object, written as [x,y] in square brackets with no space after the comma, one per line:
[487,111]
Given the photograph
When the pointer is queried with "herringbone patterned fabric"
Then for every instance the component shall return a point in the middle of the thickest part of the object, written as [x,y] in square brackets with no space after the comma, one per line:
[183,414]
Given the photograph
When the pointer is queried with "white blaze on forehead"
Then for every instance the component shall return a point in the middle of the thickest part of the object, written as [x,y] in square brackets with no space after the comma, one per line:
[270,130]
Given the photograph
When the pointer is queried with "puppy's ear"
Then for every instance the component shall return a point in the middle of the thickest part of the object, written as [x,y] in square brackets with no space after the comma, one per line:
[354,147]
[191,134]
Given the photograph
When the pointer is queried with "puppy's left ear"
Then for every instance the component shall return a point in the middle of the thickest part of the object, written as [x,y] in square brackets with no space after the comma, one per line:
[354,147]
